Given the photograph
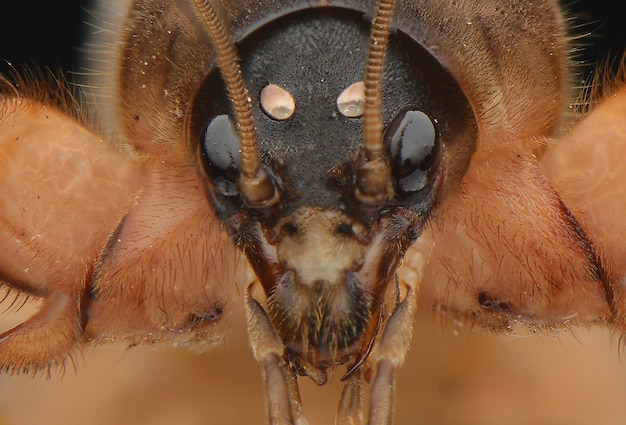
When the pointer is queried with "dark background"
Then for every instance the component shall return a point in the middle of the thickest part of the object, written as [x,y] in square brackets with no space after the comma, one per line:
[42,32]
[49,33]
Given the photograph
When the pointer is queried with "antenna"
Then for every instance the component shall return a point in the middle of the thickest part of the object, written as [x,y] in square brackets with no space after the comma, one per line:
[255,185]
[374,184]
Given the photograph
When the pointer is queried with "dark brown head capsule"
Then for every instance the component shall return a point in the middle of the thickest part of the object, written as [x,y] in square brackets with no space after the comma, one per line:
[324,252]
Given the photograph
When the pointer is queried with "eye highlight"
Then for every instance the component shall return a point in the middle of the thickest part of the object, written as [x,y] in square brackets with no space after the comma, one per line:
[351,101]
[277,103]
[221,155]
[412,141]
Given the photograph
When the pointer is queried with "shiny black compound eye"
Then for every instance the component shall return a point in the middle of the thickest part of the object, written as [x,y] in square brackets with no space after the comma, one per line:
[221,155]
[413,144]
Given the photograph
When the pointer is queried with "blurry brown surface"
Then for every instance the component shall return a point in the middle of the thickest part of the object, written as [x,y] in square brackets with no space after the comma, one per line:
[447,379]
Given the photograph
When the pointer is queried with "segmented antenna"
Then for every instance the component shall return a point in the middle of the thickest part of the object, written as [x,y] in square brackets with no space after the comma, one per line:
[374,182]
[255,185]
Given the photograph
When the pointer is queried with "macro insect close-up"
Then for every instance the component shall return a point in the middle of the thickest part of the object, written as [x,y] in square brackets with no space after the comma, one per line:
[313,212]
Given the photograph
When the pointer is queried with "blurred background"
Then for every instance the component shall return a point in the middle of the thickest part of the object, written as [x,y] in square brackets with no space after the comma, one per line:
[451,377]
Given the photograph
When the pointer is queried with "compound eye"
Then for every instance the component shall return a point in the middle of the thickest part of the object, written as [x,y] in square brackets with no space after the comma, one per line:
[412,142]
[221,155]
